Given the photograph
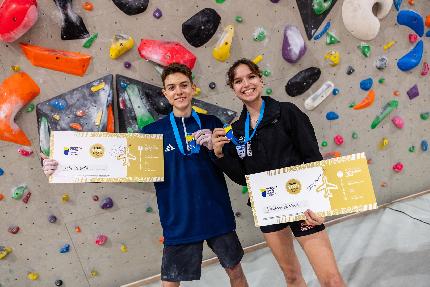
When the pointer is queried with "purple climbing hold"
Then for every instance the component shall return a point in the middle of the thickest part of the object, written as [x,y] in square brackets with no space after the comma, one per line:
[127,65]
[52,218]
[274,1]
[157,13]
[106,203]
[413,92]
[293,46]
[331,116]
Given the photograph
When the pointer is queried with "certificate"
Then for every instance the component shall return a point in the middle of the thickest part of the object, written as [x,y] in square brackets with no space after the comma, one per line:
[106,157]
[329,187]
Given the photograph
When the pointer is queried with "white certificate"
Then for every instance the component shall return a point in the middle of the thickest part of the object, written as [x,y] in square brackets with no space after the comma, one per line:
[106,157]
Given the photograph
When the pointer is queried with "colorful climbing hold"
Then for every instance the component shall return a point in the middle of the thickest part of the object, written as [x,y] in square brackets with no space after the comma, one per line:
[25,151]
[120,44]
[398,122]
[365,49]
[424,145]
[398,167]
[58,283]
[98,87]
[425,69]
[65,198]
[366,84]
[13,229]
[323,31]
[18,191]
[324,143]
[77,229]
[335,92]
[331,39]
[127,65]
[320,6]
[33,276]
[58,104]
[266,73]
[26,197]
[30,108]
[15,68]
[106,203]
[212,85]
[333,58]
[101,239]
[157,13]
[257,59]
[381,80]
[259,34]
[269,91]
[65,248]
[411,148]
[331,116]
[4,252]
[124,248]
[338,139]
[412,38]
[149,209]
[238,19]
[244,189]
[56,117]
[52,218]
[386,110]
[76,126]
[389,45]
[94,273]
[1,196]
[219,1]
[89,42]
[88,6]
[396,93]
[238,214]
[350,70]
[413,92]
[221,51]
[381,62]
[425,116]
[355,135]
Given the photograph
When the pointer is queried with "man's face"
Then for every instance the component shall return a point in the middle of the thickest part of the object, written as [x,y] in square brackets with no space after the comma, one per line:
[178,90]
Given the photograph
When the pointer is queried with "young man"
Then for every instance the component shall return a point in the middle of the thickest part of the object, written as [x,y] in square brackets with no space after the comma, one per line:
[193,201]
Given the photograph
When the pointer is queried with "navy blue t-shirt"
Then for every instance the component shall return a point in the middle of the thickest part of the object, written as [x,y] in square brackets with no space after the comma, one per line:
[193,200]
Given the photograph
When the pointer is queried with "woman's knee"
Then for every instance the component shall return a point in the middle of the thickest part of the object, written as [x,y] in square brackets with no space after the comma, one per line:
[235,272]
[292,273]
[332,280]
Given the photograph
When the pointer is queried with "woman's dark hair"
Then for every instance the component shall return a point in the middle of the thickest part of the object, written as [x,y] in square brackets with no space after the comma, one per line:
[251,65]
[176,68]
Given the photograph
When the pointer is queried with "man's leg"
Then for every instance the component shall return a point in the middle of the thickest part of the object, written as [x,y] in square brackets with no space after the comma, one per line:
[320,254]
[281,244]
[170,284]
[230,252]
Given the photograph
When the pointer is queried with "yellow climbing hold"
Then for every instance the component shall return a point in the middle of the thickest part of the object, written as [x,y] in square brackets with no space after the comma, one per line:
[94,273]
[124,248]
[98,119]
[384,143]
[389,45]
[198,91]
[258,59]
[33,276]
[221,52]
[333,58]
[120,44]
[15,68]
[56,117]
[65,197]
[200,110]
[98,87]
[4,251]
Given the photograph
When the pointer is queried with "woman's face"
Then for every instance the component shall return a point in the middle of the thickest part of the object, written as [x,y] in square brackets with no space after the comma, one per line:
[246,85]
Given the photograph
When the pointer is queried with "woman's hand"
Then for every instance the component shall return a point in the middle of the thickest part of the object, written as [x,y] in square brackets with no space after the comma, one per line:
[218,141]
[49,165]
[204,137]
[313,219]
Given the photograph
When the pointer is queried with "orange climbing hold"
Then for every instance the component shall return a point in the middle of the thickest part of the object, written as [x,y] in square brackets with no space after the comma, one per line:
[110,128]
[76,126]
[396,93]
[411,2]
[88,6]
[366,102]
[64,61]
[15,92]
[1,197]
[428,21]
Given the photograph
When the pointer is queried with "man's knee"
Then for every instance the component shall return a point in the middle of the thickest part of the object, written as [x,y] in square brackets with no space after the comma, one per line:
[292,274]
[333,280]
[236,272]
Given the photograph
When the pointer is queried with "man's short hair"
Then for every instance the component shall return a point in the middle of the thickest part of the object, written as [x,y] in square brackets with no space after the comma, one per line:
[176,68]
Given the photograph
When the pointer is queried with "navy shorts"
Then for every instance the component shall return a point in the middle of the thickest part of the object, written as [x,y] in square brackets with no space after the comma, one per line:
[183,262]
[299,228]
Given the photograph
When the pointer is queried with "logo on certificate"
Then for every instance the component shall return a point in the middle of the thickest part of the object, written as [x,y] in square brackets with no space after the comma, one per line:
[293,186]
[97,150]
[268,191]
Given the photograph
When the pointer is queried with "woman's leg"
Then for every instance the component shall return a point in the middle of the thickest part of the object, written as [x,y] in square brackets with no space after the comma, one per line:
[281,244]
[170,284]
[320,254]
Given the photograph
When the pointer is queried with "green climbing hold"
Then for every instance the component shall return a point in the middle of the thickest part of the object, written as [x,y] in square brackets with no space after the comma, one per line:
[412,149]
[424,116]
[381,80]
[88,43]
[259,34]
[331,39]
[238,19]
[354,135]
[18,192]
[269,91]
[351,105]
[244,189]
[320,6]
[130,130]
[149,209]
[219,1]
[365,49]
[30,108]
[266,73]
[324,143]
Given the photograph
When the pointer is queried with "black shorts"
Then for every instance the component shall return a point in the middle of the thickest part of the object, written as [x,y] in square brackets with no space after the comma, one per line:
[299,228]
[183,262]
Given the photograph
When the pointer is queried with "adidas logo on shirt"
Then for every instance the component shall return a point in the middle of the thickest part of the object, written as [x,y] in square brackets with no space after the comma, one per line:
[169,148]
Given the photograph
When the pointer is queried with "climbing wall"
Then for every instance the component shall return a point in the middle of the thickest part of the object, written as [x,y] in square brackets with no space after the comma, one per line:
[133,223]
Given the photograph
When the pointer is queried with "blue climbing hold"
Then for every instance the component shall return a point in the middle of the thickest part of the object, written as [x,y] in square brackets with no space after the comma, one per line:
[424,145]
[412,20]
[335,91]
[331,116]
[366,84]
[58,104]
[1,171]
[123,85]
[323,31]
[428,33]
[65,248]
[412,58]
[397,4]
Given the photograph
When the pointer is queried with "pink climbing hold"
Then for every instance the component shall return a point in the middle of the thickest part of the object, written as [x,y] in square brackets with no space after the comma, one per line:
[413,38]
[25,151]
[101,239]
[338,139]
[398,122]
[425,69]
[398,167]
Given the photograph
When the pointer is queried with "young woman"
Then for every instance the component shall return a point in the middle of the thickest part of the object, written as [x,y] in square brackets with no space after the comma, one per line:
[275,135]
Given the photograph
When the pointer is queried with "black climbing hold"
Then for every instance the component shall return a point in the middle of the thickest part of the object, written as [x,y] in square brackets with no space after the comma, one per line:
[310,20]
[350,70]
[212,85]
[58,283]
[200,28]
[72,26]
[131,7]
[302,81]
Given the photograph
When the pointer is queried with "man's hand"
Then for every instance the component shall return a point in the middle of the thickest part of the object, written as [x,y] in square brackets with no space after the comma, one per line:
[204,137]
[218,141]
[49,165]
[313,219]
